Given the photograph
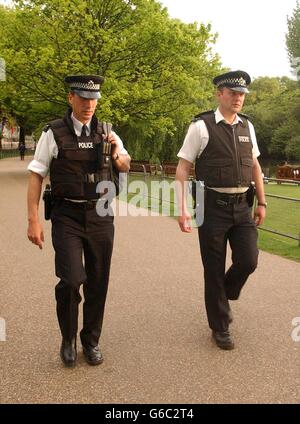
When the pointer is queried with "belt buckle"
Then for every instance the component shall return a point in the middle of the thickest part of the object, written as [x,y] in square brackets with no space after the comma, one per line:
[91,178]
[221,202]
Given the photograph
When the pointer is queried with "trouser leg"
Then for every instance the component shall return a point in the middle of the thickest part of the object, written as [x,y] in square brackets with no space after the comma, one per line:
[243,243]
[213,243]
[98,247]
[69,268]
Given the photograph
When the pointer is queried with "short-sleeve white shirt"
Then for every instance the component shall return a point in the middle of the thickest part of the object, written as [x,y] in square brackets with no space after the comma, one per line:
[197,138]
[47,149]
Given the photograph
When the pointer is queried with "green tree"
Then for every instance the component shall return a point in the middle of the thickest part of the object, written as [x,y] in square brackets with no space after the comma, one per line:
[157,69]
[274,108]
[293,39]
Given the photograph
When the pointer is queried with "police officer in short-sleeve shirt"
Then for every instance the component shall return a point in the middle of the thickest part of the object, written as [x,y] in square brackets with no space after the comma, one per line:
[223,146]
[79,153]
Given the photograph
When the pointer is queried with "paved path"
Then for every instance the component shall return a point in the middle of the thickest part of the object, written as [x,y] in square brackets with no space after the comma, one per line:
[156,342]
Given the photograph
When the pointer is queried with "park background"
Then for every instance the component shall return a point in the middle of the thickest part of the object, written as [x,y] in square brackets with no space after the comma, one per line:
[158,73]
[156,342]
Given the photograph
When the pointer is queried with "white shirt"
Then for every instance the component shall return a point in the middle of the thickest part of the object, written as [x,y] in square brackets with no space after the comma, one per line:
[47,149]
[197,139]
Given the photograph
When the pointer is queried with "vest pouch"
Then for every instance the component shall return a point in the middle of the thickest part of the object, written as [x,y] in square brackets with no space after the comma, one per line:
[69,190]
[66,145]
[90,191]
[80,155]
[219,170]
[70,186]
[227,171]
[247,169]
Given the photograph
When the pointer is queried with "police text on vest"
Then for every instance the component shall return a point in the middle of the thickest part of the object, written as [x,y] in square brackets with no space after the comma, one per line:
[85,145]
[244,139]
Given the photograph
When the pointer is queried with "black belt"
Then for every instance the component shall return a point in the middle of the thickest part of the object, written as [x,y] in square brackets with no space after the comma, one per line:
[73,178]
[225,199]
[86,204]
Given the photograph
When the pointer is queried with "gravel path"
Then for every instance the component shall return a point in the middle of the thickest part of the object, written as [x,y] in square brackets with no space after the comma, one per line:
[156,342]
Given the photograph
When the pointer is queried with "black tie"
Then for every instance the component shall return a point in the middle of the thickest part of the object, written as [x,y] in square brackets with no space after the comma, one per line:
[84,131]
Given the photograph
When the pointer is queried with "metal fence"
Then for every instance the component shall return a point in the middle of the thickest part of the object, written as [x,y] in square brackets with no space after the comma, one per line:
[11,153]
[283,217]
[283,214]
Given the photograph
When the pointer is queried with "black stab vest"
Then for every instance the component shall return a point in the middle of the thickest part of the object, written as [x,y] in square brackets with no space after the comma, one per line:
[80,164]
[227,160]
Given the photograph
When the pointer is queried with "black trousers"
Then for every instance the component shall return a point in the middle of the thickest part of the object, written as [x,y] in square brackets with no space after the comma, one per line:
[223,223]
[83,243]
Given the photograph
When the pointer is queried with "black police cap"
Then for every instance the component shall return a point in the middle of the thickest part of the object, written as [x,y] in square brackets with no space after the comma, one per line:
[234,80]
[86,86]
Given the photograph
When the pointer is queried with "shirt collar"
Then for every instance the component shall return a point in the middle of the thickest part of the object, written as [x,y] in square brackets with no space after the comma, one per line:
[78,126]
[220,118]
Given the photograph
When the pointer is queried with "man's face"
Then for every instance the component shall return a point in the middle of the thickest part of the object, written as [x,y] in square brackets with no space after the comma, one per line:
[83,109]
[230,101]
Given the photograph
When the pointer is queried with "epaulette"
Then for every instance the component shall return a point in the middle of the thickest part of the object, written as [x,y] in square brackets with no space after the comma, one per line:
[202,114]
[46,128]
[244,115]
[57,123]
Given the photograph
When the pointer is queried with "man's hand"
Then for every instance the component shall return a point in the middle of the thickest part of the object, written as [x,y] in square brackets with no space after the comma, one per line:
[182,176]
[35,234]
[260,211]
[115,148]
[185,223]
[259,215]
[121,162]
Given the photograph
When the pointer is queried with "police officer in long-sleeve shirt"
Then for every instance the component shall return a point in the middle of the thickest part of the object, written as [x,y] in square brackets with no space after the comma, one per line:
[73,150]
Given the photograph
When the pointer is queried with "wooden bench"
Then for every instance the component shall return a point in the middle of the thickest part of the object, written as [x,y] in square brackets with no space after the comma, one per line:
[169,169]
[142,166]
[288,172]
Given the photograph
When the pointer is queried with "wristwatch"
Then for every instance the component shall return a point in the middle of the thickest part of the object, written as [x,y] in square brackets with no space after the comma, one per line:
[262,204]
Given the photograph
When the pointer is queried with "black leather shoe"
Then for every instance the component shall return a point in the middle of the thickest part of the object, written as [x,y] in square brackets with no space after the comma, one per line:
[92,355]
[223,340]
[68,352]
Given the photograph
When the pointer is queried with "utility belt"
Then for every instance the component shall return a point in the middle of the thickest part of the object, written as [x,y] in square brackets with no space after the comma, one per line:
[50,202]
[87,178]
[225,199]
[84,204]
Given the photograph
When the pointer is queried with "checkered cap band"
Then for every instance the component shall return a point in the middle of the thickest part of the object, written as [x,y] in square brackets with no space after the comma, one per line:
[236,82]
[85,86]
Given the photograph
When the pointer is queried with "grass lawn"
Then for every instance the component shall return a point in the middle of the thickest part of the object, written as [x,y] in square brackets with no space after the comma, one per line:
[283,216]
[4,154]
[286,190]
[279,245]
